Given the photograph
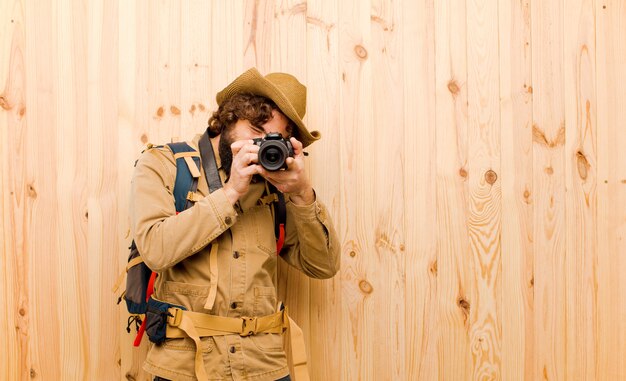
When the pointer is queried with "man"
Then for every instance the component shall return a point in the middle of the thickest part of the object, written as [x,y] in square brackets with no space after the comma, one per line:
[216,261]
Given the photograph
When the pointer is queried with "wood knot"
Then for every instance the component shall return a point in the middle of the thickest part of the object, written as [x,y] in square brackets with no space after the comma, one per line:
[4,103]
[352,253]
[463,304]
[130,377]
[144,138]
[529,89]
[463,173]
[549,170]
[453,87]
[491,176]
[30,190]
[22,312]
[174,110]
[583,165]
[527,196]
[532,282]
[192,109]
[22,112]
[201,107]
[33,374]
[160,111]
[366,287]
[361,52]
[433,268]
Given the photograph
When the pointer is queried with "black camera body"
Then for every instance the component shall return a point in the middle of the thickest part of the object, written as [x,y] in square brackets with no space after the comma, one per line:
[274,151]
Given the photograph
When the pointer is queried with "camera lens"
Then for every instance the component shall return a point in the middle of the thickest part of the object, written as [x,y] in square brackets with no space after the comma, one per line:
[272,155]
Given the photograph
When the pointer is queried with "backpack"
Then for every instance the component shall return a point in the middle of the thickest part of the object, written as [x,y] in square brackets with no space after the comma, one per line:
[139,278]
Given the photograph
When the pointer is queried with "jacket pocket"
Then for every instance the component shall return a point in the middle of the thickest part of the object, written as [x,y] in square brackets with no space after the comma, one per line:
[191,296]
[265,236]
[186,344]
[264,300]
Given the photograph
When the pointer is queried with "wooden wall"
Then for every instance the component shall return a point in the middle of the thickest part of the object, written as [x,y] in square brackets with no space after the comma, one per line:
[473,157]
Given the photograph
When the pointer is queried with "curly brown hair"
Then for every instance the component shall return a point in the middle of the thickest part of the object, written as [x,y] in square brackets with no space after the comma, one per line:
[245,106]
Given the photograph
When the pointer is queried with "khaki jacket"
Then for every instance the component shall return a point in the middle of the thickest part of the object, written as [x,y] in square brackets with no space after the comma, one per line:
[176,246]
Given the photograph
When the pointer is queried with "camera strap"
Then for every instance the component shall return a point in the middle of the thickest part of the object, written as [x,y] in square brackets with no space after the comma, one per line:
[209,163]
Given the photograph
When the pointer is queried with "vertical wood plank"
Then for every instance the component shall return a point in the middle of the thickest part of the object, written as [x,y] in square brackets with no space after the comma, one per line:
[323,78]
[484,219]
[611,174]
[517,191]
[71,117]
[164,37]
[42,239]
[419,174]
[579,74]
[549,184]
[385,138]
[15,322]
[195,71]
[102,183]
[226,45]
[357,152]
[258,24]
[453,258]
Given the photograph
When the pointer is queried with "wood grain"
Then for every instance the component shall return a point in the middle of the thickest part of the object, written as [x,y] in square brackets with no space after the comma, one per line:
[611,189]
[549,244]
[453,266]
[485,208]
[579,69]
[516,165]
[14,265]
[324,164]
[419,176]
[357,153]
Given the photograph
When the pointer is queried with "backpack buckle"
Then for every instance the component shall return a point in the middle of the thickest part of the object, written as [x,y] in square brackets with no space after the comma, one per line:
[248,326]
[175,316]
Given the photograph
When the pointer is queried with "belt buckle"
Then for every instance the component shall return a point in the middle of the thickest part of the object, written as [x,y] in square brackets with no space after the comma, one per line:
[248,326]
[174,316]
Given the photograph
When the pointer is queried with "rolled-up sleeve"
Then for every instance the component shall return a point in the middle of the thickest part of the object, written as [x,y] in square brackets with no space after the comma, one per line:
[311,243]
[163,237]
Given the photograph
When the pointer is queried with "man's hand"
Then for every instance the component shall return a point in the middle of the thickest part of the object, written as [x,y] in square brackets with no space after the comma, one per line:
[244,166]
[292,180]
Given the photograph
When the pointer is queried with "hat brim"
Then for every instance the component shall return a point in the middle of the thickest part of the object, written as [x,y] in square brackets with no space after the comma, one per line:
[253,82]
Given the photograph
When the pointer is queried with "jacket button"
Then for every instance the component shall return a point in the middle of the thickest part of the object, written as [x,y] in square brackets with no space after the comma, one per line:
[233,305]
[236,254]
[232,349]
[228,220]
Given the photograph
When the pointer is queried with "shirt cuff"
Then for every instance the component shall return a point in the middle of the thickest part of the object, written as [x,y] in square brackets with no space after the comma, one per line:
[222,208]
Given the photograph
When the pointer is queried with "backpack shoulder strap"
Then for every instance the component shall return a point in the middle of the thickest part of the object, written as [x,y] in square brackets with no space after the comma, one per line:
[209,163]
[187,173]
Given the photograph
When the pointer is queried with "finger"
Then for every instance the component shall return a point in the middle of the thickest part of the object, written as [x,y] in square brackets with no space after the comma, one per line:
[297,146]
[238,145]
[249,158]
[291,162]
[251,170]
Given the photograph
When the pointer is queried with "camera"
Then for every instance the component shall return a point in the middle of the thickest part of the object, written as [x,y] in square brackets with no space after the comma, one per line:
[273,151]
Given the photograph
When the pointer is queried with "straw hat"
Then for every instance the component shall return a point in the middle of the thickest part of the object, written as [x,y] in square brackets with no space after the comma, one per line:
[282,88]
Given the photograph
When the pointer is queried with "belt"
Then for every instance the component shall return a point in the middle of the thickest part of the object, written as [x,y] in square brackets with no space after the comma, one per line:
[182,323]
[212,325]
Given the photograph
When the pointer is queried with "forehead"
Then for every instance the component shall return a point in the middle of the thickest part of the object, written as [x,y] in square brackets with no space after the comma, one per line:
[278,123]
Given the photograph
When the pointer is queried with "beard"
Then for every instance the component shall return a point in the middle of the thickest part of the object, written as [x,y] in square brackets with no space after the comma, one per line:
[226,154]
